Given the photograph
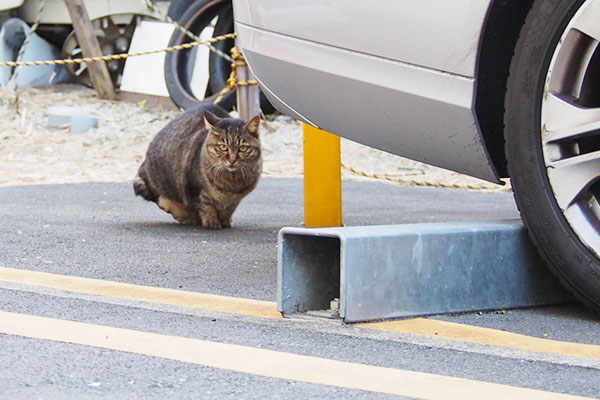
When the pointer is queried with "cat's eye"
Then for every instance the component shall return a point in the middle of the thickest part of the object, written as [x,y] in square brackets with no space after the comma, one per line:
[243,148]
[222,147]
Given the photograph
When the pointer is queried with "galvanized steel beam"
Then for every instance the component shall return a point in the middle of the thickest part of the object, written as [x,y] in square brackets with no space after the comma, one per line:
[394,271]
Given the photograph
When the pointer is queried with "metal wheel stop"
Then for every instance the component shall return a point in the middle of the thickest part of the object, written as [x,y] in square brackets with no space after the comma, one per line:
[395,271]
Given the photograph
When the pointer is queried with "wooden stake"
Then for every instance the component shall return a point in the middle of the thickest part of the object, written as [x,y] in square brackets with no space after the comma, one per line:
[90,48]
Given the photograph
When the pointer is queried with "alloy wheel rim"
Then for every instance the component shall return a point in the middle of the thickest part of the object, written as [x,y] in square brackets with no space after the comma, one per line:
[570,122]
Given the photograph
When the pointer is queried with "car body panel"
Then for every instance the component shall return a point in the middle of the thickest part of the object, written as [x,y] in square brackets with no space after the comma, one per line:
[437,34]
[414,103]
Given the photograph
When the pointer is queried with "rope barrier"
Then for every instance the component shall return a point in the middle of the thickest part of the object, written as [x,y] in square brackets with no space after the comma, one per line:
[122,56]
[189,34]
[232,82]
[422,183]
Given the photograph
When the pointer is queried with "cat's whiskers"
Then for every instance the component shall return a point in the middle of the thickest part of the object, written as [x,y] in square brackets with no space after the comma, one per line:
[243,171]
[212,169]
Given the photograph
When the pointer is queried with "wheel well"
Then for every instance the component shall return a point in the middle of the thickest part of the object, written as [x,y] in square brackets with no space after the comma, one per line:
[501,32]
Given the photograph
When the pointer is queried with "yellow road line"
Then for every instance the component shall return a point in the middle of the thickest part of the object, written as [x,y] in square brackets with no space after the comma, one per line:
[234,305]
[268,363]
[476,334]
[266,309]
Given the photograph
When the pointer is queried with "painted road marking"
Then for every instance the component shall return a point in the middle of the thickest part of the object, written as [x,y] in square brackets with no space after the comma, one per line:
[267,309]
[232,305]
[268,363]
[476,334]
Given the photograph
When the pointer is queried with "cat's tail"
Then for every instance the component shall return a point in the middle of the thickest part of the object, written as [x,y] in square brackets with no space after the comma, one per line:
[141,189]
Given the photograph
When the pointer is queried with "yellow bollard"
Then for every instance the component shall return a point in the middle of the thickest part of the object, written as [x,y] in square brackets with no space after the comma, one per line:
[322,179]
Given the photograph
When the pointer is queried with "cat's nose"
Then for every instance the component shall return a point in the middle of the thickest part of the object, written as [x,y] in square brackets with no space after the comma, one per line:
[232,165]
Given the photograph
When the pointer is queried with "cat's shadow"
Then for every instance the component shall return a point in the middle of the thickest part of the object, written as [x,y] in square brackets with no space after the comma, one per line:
[164,225]
[174,227]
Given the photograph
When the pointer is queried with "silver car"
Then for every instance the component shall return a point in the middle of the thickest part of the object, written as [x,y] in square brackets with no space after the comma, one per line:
[492,89]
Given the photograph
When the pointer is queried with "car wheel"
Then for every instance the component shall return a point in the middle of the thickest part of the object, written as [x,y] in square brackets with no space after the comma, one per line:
[552,132]
[179,65]
[219,68]
[177,8]
[114,33]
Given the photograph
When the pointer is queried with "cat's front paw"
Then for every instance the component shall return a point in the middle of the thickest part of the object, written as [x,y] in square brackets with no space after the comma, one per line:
[226,222]
[211,223]
[189,220]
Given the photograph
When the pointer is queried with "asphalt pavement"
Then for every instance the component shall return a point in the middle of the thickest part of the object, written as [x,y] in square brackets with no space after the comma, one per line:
[102,231]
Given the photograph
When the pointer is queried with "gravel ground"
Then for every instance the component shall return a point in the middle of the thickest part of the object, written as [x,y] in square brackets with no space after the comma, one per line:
[36,153]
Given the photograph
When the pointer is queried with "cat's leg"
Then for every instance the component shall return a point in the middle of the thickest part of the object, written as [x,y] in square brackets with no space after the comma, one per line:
[226,222]
[181,213]
[141,188]
[225,216]
[208,212]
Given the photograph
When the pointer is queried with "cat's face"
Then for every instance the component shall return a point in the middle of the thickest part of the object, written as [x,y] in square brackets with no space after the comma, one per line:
[231,145]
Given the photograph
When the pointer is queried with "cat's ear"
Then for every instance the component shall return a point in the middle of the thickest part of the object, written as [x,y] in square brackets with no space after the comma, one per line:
[252,126]
[211,120]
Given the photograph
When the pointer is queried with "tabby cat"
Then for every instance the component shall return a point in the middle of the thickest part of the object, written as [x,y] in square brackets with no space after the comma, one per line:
[201,165]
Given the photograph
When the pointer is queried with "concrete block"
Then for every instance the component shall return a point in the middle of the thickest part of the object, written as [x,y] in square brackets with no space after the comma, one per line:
[80,119]
[83,123]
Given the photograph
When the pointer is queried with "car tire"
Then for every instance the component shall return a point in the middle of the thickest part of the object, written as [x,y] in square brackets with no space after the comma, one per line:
[219,68]
[552,133]
[177,8]
[178,68]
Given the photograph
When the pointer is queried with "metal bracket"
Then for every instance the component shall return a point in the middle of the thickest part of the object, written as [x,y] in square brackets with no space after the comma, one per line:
[393,271]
